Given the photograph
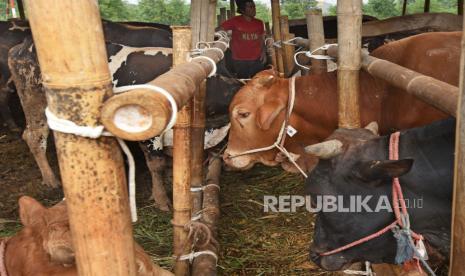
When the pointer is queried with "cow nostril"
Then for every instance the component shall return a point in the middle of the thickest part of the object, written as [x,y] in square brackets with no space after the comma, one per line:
[315,256]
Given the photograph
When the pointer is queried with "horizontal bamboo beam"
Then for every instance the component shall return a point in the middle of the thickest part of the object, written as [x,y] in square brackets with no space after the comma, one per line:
[150,112]
[432,91]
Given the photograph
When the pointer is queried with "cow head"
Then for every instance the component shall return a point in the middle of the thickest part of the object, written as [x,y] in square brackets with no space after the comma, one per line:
[256,119]
[51,226]
[351,166]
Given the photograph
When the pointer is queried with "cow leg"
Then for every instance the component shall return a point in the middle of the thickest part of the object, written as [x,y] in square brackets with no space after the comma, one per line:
[156,164]
[5,111]
[36,140]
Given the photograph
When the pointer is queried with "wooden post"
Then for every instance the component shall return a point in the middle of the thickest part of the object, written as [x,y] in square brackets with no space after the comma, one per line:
[205,265]
[276,13]
[349,29]
[288,50]
[211,17]
[92,170]
[426,6]
[222,15]
[404,7]
[21,9]
[316,35]
[457,252]
[232,8]
[181,160]
[204,22]
[460,7]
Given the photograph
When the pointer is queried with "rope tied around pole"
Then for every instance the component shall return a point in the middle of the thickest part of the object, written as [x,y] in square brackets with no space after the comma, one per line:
[69,127]
[311,54]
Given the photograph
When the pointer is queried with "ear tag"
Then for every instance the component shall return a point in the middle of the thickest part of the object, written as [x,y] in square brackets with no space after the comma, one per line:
[291,131]
[421,250]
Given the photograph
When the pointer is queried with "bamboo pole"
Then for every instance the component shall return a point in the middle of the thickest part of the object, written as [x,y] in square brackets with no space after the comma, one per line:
[276,13]
[270,51]
[181,160]
[288,50]
[316,35]
[222,15]
[434,92]
[152,108]
[211,18]
[205,265]
[457,252]
[426,6]
[92,170]
[232,8]
[349,29]
[204,22]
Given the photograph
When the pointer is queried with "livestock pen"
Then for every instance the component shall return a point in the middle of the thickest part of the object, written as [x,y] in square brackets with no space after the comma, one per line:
[252,242]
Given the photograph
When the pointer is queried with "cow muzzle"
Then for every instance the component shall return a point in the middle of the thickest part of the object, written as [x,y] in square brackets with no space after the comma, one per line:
[330,263]
[243,162]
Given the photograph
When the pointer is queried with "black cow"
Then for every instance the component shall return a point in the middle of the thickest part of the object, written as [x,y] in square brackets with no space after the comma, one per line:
[128,65]
[359,166]
[11,33]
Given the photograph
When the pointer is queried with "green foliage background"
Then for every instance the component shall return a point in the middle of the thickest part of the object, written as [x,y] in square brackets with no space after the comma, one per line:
[176,12]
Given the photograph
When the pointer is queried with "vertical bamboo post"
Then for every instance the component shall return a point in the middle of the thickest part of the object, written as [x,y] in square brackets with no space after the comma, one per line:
[232,7]
[92,170]
[211,18]
[457,252]
[276,13]
[316,37]
[349,29]
[270,51]
[181,160]
[426,6]
[223,15]
[459,7]
[204,21]
[196,13]
[404,7]
[288,50]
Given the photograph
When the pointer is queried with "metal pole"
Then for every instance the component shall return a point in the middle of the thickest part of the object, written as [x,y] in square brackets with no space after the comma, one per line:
[92,170]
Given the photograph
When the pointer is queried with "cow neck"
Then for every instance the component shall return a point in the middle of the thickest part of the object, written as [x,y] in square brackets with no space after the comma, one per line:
[3,271]
[402,218]
[280,140]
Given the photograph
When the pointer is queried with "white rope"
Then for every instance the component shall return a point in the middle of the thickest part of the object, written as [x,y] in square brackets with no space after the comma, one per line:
[157,89]
[281,134]
[311,54]
[191,256]
[199,189]
[213,63]
[288,42]
[366,272]
[69,127]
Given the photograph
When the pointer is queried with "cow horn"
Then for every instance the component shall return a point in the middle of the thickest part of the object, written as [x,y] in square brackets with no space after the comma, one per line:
[325,150]
[373,127]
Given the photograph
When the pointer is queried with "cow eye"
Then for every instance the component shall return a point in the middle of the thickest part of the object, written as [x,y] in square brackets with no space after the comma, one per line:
[243,115]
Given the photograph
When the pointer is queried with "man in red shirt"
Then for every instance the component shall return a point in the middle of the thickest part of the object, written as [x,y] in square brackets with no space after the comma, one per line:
[247,43]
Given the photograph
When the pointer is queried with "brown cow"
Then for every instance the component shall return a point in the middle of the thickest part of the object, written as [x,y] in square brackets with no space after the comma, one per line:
[257,111]
[44,247]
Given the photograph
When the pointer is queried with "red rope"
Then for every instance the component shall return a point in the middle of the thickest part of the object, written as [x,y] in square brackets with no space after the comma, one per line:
[397,197]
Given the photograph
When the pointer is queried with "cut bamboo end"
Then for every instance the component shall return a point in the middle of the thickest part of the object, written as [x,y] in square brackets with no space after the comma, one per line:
[137,115]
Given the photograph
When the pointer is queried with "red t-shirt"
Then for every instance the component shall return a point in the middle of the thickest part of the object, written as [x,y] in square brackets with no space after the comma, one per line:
[247,36]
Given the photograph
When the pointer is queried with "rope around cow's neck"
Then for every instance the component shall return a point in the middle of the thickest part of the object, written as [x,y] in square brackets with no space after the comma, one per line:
[279,143]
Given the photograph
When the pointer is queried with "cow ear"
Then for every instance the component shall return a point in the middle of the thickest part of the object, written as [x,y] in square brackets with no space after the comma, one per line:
[268,112]
[373,170]
[30,210]
[266,81]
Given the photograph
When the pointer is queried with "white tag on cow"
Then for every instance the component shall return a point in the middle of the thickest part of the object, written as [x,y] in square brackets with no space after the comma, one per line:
[291,131]
[421,249]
